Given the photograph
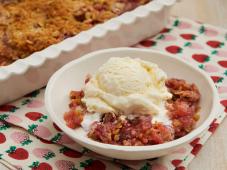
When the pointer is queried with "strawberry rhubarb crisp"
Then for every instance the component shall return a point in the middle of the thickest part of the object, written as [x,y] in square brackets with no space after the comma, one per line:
[27,26]
[131,102]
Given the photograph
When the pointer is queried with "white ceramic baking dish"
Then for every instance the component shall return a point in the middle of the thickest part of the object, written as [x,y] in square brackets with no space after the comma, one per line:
[33,72]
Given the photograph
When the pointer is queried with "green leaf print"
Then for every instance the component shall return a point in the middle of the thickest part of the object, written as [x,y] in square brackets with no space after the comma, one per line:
[147,166]
[31,128]
[86,163]
[49,155]
[56,138]
[43,118]
[85,150]
[202,29]
[214,52]
[34,164]
[4,126]
[225,73]
[33,94]
[3,116]
[176,23]
[187,44]
[26,142]
[201,66]
[161,37]
[11,149]
[186,157]
[26,101]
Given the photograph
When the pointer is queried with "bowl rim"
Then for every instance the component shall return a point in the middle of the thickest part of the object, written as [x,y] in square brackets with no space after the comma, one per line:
[86,141]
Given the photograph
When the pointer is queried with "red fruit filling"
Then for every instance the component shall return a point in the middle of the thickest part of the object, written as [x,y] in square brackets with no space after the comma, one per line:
[114,129]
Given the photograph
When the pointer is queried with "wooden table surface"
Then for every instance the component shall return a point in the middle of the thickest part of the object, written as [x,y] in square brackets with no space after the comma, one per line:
[213,156]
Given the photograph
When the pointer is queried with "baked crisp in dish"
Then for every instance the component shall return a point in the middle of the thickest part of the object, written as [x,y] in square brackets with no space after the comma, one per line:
[28,26]
[182,110]
[131,102]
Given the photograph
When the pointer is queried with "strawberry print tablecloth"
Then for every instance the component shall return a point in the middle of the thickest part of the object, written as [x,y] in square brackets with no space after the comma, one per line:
[30,140]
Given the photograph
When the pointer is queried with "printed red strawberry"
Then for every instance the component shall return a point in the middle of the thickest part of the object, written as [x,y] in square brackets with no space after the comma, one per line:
[65,165]
[201,58]
[17,153]
[167,37]
[220,53]
[91,164]
[194,142]
[174,49]
[196,149]
[193,45]
[215,44]
[213,126]
[56,127]
[180,168]
[11,118]
[40,166]
[188,36]
[222,89]
[62,139]
[165,30]
[39,130]
[208,31]
[35,104]
[2,138]
[224,103]
[217,79]
[176,162]
[43,153]
[181,24]
[70,153]
[21,138]
[8,108]
[148,43]
[210,68]
[223,63]
[36,116]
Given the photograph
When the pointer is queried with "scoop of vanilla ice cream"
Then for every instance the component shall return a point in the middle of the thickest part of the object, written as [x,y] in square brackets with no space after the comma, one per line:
[127,86]
[123,76]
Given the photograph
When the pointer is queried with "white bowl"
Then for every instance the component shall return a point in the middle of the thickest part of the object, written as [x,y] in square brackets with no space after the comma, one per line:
[72,75]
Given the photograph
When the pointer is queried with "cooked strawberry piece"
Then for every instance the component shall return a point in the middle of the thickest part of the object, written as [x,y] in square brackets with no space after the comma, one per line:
[183,109]
[73,119]
[183,90]
[76,94]
[109,117]
[68,117]
[74,103]
[138,131]
[78,118]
